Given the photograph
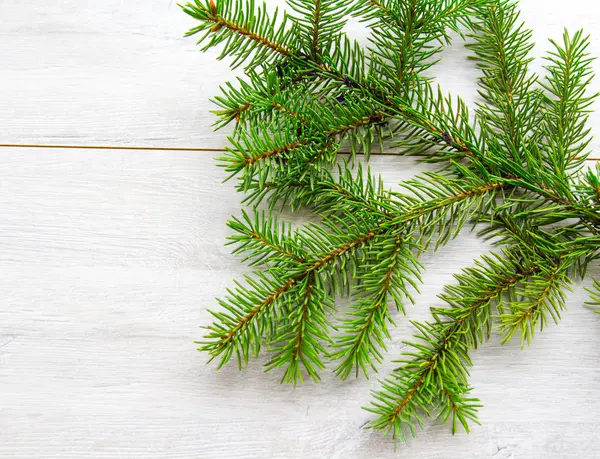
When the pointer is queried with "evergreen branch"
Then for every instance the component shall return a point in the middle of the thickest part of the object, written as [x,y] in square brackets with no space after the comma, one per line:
[348,192]
[428,120]
[431,14]
[319,22]
[268,154]
[567,103]
[365,328]
[444,205]
[266,240]
[453,12]
[501,164]
[244,31]
[435,376]
[502,46]
[588,190]
[404,37]
[344,57]
[594,292]
[298,342]
[371,9]
[317,19]
[261,146]
[395,102]
[562,195]
[257,150]
[541,296]
[242,328]
[420,213]
[257,99]
[352,192]
[512,164]
[456,404]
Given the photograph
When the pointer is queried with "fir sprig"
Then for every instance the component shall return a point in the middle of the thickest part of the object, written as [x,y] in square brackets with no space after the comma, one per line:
[434,378]
[389,277]
[246,31]
[512,168]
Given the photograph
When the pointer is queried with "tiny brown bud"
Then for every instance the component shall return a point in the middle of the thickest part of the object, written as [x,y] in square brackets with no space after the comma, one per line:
[447,138]
[213,7]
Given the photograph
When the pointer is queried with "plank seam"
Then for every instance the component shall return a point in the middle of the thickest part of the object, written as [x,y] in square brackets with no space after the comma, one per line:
[149,148]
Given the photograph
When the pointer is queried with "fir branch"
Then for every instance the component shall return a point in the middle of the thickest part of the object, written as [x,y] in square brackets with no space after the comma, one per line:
[257,99]
[351,191]
[365,329]
[241,329]
[410,33]
[502,46]
[298,345]
[435,212]
[268,154]
[588,190]
[512,164]
[594,292]
[317,239]
[435,376]
[245,32]
[266,240]
[319,22]
[326,194]
[567,104]
[539,298]
[263,146]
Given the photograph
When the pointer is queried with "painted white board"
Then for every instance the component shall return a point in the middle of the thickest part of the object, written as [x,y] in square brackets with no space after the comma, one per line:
[109,260]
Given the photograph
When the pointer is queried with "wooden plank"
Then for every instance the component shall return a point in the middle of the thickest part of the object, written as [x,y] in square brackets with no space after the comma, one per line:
[109,261]
[121,73]
[108,72]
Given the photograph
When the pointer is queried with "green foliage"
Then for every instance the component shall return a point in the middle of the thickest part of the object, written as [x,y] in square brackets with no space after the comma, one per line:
[319,24]
[510,102]
[512,169]
[539,296]
[390,273]
[568,78]
[247,32]
[595,296]
[434,376]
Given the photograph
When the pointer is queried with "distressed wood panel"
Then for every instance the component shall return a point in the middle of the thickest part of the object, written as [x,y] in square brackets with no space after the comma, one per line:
[109,262]
[120,72]
[110,259]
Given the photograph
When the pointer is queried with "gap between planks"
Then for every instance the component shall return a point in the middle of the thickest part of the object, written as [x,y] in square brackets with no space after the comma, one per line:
[147,148]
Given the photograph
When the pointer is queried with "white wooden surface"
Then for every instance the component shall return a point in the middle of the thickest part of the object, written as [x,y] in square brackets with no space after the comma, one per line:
[109,259]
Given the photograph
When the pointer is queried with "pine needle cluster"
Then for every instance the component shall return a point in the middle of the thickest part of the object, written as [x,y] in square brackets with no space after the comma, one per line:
[511,168]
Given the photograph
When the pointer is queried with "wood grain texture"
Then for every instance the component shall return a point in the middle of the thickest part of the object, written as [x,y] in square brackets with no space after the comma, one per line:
[109,261]
[83,72]
[108,265]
